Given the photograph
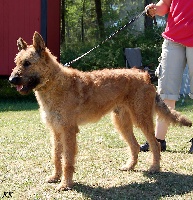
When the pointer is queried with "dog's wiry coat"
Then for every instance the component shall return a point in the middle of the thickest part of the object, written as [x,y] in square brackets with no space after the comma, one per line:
[69,98]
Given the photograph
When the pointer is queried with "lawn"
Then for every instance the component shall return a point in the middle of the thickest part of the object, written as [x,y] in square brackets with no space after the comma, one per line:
[25,161]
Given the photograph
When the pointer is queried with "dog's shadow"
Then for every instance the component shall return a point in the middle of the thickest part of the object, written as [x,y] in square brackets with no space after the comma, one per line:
[163,184]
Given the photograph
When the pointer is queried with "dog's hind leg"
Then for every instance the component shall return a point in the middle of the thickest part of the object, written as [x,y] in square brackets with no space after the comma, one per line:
[142,113]
[69,152]
[123,124]
[148,130]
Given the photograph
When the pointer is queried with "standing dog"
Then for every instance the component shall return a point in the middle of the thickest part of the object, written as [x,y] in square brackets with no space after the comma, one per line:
[69,98]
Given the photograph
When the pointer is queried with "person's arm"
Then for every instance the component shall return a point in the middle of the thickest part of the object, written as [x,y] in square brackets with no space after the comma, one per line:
[161,8]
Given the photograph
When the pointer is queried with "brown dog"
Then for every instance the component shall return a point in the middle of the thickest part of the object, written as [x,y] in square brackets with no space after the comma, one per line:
[69,98]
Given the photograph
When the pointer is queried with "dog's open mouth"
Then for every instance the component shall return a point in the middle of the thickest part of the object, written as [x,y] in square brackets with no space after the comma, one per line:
[23,89]
[19,87]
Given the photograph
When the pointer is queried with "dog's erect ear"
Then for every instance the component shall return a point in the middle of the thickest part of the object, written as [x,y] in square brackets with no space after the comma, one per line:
[21,44]
[38,43]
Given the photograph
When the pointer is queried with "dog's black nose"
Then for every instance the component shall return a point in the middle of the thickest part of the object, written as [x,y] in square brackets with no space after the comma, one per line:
[15,80]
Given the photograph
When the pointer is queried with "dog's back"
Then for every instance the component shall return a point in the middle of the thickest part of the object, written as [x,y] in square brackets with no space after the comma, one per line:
[88,96]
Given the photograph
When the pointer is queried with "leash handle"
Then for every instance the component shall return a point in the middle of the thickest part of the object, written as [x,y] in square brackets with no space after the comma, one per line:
[150,10]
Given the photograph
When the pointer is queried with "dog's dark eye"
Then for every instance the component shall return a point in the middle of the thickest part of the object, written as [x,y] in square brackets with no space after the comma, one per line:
[26,64]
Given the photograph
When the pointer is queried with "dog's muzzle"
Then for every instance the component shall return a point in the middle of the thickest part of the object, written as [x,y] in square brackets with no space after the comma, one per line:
[16,81]
[24,86]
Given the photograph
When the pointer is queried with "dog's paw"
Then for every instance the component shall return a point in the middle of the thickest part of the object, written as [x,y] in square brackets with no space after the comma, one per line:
[154,169]
[127,168]
[64,187]
[53,179]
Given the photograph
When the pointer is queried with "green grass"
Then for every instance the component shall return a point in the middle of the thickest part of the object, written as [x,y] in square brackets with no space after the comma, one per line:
[25,161]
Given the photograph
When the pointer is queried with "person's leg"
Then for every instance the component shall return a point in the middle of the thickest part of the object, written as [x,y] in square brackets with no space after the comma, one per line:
[173,61]
[172,65]
[161,125]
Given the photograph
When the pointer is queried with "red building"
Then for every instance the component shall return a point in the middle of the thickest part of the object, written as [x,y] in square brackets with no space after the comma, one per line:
[22,18]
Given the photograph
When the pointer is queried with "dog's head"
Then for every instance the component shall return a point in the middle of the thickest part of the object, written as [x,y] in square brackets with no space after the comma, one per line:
[30,62]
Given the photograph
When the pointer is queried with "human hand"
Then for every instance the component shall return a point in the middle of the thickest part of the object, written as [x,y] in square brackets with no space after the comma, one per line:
[150,10]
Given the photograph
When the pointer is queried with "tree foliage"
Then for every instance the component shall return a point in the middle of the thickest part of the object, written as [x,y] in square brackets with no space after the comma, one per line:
[85,23]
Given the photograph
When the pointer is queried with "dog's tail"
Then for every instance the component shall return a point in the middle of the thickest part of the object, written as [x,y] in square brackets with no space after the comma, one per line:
[169,114]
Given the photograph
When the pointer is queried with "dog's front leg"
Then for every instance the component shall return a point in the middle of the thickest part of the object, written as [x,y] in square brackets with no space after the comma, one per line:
[69,152]
[56,157]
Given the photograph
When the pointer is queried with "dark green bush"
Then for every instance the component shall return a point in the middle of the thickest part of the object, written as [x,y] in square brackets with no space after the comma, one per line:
[110,54]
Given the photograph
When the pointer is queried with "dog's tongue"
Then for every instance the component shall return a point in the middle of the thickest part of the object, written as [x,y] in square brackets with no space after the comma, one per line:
[19,87]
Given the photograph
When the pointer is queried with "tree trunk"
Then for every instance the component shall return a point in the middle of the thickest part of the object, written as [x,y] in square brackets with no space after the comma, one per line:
[63,22]
[82,21]
[99,15]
